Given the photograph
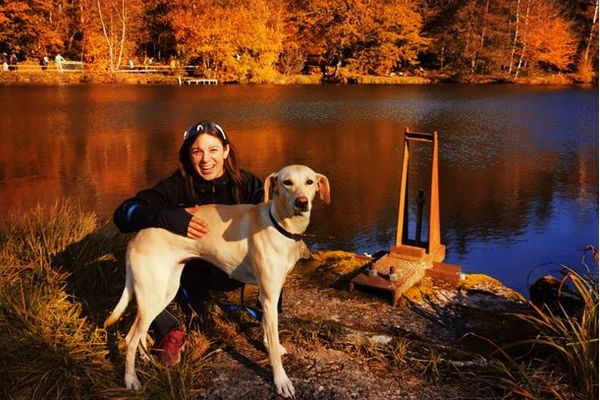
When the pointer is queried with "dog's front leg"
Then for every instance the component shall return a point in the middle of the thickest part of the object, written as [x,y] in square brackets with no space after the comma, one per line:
[269,299]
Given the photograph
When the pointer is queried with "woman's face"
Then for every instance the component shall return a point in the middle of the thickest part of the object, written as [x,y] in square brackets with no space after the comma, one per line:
[208,156]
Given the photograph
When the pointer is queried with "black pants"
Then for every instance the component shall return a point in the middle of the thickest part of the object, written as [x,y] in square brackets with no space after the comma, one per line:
[198,277]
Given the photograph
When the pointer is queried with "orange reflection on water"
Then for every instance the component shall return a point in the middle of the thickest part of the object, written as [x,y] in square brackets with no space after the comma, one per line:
[503,168]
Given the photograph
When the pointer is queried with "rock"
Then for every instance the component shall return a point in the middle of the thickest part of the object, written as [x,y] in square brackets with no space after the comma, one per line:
[549,293]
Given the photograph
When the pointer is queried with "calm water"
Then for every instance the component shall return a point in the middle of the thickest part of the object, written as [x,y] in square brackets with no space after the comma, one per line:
[518,166]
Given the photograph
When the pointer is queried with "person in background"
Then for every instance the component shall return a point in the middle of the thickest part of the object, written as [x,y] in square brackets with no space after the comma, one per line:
[13,61]
[44,62]
[208,173]
[59,60]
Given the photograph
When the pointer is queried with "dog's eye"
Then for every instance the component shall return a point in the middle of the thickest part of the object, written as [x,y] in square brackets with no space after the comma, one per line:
[288,182]
[309,182]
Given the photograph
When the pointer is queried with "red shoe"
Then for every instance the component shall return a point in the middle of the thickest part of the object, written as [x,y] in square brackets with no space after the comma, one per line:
[169,349]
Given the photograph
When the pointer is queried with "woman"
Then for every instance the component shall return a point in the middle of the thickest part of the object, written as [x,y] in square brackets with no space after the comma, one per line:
[208,174]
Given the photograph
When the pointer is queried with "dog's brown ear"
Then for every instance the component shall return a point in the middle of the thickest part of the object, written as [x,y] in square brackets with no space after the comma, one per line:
[323,185]
[269,186]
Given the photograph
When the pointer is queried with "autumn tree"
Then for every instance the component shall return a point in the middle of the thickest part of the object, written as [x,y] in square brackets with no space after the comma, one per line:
[293,55]
[389,40]
[257,39]
[332,29]
[547,40]
[235,39]
[111,29]
[443,27]
[370,36]
[591,35]
[470,38]
[393,38]
[502,38]
[158,36]
[32,27]
[489,38]
[585,14]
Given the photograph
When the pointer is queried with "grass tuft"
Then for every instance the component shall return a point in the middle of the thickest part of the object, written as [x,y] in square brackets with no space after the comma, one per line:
[560,360]
[61,272]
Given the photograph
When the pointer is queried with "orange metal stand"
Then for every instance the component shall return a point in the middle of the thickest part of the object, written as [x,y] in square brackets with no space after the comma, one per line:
[408,263]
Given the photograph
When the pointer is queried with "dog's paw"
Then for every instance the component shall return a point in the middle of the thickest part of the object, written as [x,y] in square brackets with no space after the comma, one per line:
[132,381]
[285,388]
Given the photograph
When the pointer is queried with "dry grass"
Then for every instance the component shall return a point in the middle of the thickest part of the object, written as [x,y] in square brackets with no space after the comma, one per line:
[560,360]
[393,80]
[45,339]
[60,272]
[547,79]
[259,75]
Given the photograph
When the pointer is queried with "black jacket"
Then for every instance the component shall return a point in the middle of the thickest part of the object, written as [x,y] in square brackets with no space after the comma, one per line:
[163,206]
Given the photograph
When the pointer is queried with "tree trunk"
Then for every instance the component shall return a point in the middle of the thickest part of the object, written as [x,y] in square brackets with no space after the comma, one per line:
[515,39]
[123,31]
[481,39]
[469,31]
[107,37]
[591,35]
[118,15]
[523,47]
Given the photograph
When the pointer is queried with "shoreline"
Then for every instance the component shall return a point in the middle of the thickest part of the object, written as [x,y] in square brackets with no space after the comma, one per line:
[53,78]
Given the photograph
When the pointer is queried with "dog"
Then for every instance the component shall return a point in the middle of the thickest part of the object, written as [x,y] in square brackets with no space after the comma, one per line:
[256,244]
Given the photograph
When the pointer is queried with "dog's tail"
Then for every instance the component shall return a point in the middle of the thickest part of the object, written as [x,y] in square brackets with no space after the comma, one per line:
[125,297]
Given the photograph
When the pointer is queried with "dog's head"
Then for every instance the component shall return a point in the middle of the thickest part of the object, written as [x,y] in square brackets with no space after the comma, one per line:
[294,188]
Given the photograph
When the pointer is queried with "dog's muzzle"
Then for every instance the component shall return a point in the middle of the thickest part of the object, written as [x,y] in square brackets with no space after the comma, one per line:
[301,204]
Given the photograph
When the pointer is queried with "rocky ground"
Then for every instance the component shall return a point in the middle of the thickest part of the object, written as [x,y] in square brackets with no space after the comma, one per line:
[352,345]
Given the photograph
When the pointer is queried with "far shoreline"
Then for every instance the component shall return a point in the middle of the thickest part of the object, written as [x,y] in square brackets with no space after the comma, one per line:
[53,78]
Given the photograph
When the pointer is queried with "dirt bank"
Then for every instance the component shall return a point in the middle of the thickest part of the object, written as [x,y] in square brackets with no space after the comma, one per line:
[346,345]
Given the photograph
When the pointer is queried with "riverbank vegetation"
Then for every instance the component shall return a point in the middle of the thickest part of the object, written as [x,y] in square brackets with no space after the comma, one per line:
[61,272]
[356,41]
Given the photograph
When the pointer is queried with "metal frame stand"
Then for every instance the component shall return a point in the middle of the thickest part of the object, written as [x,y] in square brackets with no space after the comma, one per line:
[408,262]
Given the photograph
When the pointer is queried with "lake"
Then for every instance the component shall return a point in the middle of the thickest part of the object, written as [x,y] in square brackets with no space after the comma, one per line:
[518,165]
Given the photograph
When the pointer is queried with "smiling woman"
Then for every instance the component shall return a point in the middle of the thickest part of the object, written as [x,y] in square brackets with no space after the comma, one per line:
[207,174]
[208,153]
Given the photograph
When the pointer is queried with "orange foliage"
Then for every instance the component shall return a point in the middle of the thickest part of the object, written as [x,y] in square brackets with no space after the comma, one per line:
[238,38]
[255,40]
[30,28]
[110,31]
[375,36]
[549,37]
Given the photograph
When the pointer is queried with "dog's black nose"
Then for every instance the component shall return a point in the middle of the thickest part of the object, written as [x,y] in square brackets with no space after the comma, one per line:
[301,202]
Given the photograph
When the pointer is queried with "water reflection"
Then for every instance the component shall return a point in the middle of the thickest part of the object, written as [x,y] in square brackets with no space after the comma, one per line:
[518,166]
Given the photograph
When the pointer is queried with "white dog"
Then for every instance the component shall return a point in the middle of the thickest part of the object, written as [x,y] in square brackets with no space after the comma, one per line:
[256,244]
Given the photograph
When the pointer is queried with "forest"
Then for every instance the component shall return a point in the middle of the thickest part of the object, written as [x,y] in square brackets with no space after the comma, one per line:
[255,40]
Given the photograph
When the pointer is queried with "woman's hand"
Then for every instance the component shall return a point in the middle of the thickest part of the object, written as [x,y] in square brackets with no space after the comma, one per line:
[197,228]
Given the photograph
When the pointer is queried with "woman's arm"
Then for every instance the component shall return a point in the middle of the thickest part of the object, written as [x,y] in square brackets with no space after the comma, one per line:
[162,206]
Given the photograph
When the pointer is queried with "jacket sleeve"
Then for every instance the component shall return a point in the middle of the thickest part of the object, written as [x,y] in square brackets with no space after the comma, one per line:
[254,189]
[161,206]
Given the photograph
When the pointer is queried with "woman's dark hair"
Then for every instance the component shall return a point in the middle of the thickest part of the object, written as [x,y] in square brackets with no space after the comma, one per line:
[230,165]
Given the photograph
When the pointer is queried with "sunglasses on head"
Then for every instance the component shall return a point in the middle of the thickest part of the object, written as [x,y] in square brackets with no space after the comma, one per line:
[196,129]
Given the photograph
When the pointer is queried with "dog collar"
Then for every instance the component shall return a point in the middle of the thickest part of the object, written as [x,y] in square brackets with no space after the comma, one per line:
[294,236]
